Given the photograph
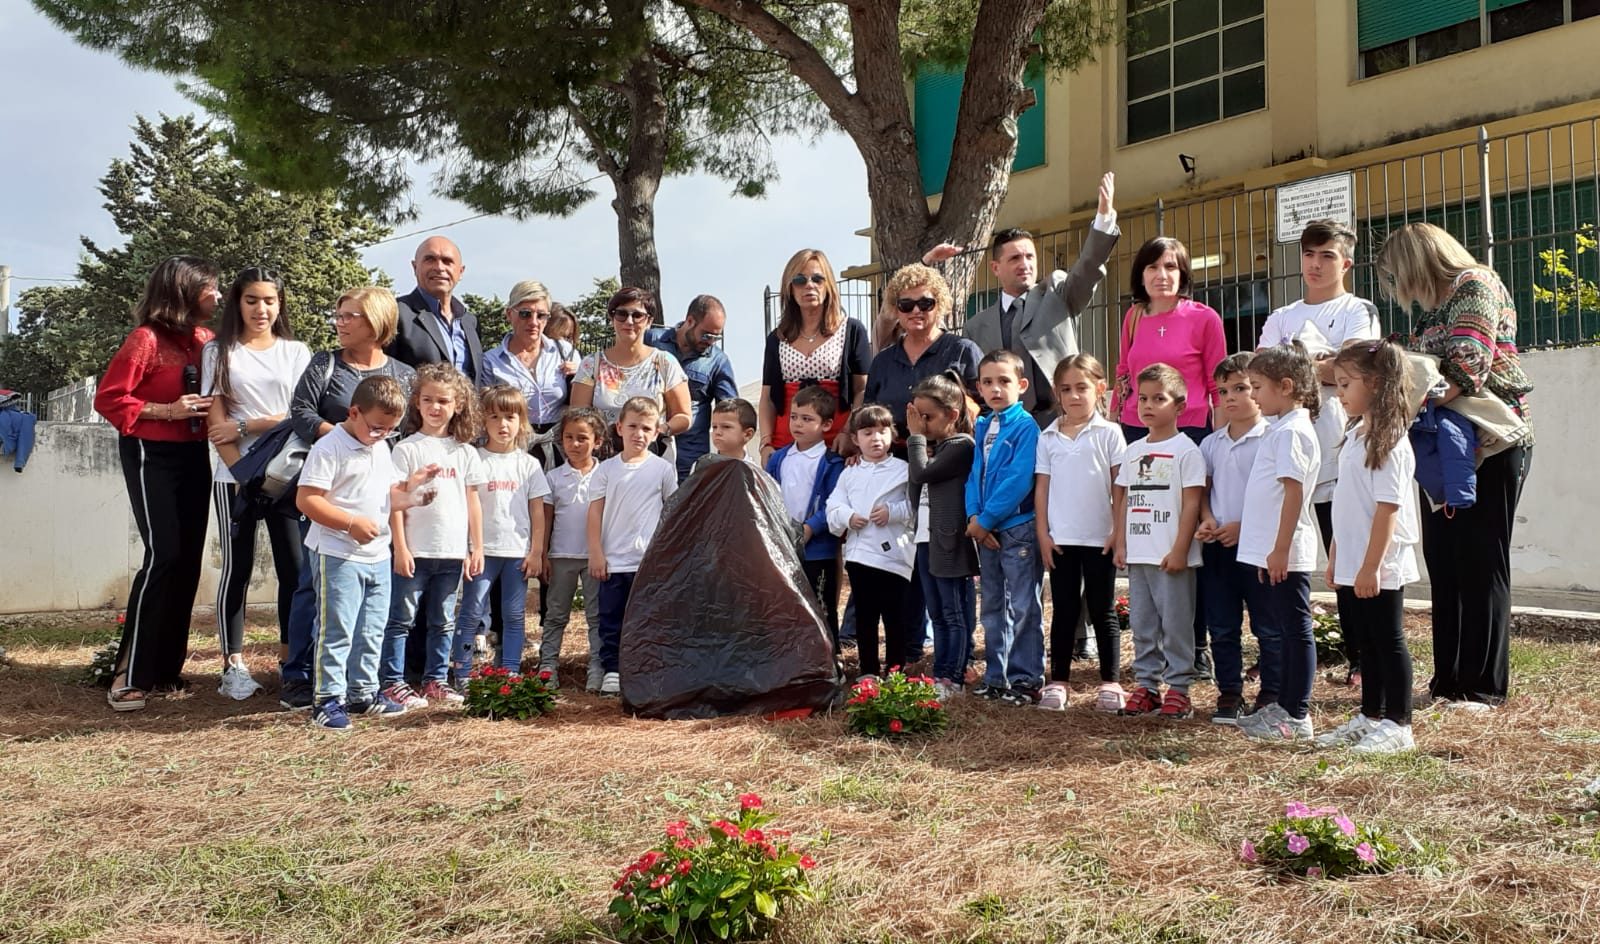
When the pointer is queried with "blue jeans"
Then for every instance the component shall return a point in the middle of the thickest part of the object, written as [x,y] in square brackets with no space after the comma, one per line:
[437,578]
[1227,590]
[614,591]
[302,617]
[352,602]
[1013,629]
[1289,610]
[513,607]
[950,602]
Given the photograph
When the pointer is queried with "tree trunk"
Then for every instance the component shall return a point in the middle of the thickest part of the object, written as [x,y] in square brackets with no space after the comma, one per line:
[637,177]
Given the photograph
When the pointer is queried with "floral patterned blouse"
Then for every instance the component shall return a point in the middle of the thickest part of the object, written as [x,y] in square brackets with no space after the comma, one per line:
[1473,332]
[614,385]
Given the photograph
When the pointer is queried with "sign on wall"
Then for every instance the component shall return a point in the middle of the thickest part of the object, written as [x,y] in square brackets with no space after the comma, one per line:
[1332,197]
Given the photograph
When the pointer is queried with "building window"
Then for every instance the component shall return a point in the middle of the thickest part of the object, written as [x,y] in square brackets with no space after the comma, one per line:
[1192,62]
[1395,34]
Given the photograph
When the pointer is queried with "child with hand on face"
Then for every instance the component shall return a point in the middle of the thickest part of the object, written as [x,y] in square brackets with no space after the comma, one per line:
[871,510]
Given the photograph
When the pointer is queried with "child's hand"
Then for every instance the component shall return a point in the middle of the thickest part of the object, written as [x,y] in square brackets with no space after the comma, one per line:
[363,530]
[404,564]
[1207,531]
[1327,577]
[857,522]
[805,534]
[473,565]
[1110,547]
[879,516]
[1119,554]
[533,565]
[1176,562]
[914,421]
[1278,566]
[597,565]
[1047,550]
[1367,583]
[1228,534]
[982,535]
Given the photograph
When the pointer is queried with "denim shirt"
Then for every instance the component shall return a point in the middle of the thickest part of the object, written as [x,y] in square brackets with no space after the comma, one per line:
[710,378]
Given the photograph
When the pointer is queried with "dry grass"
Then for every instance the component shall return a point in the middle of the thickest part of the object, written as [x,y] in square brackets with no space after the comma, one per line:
[205,820]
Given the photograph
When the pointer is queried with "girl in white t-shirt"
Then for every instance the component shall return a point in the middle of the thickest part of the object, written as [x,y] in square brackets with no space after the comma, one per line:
[513,528]
[1074,475]
[436,544]
[1375,528]
[566,563]
[1277,534]
[249,370]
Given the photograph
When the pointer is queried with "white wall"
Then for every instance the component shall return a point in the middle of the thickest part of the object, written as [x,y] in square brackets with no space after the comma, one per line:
[69,541]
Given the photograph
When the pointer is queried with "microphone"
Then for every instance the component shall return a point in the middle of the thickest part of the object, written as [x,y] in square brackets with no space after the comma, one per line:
[191,384]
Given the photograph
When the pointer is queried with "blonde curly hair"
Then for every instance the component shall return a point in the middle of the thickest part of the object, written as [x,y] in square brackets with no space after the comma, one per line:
[887,331]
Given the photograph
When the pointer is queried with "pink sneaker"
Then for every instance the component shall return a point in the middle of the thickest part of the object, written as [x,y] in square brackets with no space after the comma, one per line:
[434,690]
[404,695]
[1110,698]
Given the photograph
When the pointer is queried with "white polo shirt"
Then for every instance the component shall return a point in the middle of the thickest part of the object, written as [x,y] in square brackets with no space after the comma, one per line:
[1228,463]
[568,503]
[1080,472]
[1355,502]
[1289,450]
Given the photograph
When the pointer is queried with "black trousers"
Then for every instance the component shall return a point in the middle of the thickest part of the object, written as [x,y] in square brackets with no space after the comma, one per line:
[1468,551]
[1352,641]
[168,485]
[1386,672]
[823,575]
[879,594]
[1090,569]
[237,537]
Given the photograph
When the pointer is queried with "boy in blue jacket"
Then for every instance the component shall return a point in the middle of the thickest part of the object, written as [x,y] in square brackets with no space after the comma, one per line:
[806,472]
[1000,519]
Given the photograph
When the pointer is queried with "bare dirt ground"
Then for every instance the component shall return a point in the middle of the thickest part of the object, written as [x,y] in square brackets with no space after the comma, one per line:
[202,819]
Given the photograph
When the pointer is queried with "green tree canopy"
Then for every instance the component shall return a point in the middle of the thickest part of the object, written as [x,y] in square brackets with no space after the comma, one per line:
[178,191]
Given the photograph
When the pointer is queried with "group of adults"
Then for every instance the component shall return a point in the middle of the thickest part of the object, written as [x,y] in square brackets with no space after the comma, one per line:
[166,422]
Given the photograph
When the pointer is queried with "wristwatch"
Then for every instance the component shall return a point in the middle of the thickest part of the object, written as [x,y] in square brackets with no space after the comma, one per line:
[243,429]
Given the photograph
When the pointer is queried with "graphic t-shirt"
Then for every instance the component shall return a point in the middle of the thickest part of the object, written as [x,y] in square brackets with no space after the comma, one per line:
[511,480]
[1155,475]
[439,528]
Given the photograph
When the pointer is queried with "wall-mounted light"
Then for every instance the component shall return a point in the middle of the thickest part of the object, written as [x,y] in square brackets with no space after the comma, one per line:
[1188,163]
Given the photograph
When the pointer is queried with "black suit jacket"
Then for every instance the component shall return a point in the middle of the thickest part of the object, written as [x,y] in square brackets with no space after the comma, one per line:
[420,340]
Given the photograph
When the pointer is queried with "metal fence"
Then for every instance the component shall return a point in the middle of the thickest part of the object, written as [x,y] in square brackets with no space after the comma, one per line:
[1516,200]
[73,403]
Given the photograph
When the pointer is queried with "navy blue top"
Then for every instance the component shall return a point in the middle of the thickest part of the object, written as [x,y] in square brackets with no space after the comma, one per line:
[710,379]
[892,376]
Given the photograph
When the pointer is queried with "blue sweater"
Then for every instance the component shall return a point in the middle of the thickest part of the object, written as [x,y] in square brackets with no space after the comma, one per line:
[1446,445]
[16,436]
[1000,487]
[824,544]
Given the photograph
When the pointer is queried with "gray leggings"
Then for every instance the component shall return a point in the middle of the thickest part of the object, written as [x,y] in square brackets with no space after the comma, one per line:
[565,575]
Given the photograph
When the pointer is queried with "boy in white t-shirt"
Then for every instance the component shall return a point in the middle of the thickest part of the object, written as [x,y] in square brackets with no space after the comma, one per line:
[1161,481]
[626,499]
[348,487]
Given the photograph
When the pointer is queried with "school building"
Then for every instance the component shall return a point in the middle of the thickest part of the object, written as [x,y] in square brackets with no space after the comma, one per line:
[1231,122]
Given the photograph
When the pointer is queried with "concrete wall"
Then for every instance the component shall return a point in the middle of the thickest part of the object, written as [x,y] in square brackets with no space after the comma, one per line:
[69,538]
[1556,543]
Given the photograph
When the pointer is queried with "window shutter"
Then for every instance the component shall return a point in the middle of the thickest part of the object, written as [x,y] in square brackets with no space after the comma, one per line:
[1381,22]
[937,97]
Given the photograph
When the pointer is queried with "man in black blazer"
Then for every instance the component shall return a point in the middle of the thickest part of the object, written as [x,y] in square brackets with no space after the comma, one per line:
[434,326]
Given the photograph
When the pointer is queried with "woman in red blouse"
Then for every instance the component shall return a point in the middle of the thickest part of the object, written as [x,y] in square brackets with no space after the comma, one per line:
[150,393]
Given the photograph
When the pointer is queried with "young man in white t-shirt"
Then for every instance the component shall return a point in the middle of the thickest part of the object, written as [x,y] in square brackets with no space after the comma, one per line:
[348,487]
[1327,253]
[1161,482]
[626,499]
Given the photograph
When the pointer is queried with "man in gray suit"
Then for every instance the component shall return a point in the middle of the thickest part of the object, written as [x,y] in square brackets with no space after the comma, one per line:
[1039,319]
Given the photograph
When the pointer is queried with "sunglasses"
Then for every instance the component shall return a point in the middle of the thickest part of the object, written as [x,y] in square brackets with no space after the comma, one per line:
[907,305]
[526,313]
[630,314]
[800,279]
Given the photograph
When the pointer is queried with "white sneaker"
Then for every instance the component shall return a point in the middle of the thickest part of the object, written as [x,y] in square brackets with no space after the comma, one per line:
[1284,729]
[1351,732]
[1386,737]
[1471,707]
[1263,718]
[237,683]
[1053,697]
[612,685]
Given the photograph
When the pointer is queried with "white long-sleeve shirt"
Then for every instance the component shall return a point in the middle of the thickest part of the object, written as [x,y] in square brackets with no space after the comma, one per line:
[861,488]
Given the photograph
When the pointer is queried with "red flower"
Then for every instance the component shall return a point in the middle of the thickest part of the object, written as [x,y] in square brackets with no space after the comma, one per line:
[779,833]
[679,829]
[686,844]
[684,865]
[749,801]
[770,850]
[544,676]
[806,862]
[516,680]
[728,829]
[753,835]
[895,725]
[617,885]
[505,689]
[649,860]
[661,880]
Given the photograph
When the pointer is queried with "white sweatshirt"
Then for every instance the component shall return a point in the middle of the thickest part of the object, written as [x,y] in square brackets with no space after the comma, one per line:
[861,488]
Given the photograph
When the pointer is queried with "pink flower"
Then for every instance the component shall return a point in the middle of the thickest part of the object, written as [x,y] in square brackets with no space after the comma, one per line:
[753,835]
[1366,853]
[749,801]
[896,726]
[1344,824]
[661,880]
[684,865]
[1247,852]
[806,862]
[1296,843]
[544,675]
[678,830]
[1297,810]
[685,844]
[1314,872]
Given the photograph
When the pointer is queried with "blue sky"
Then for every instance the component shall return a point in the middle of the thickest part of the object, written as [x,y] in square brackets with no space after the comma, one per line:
[68,113]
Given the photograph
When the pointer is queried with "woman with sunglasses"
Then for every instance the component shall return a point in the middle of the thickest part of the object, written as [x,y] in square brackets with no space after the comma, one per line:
[813,345]
[151,393]
[539,366]
[249,371]
[631,368]
[918,299]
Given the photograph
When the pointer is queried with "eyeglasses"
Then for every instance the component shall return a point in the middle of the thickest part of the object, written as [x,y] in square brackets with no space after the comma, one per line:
[709,338]
[339,316]
[800,279]
[906,305]
[526,313]
[630,314]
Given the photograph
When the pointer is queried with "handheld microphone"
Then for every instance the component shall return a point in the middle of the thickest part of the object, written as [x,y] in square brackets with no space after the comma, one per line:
[191,384]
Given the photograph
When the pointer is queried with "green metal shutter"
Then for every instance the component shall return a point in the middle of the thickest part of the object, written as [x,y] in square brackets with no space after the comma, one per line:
[937,98]
[1494,5]
[1381,22]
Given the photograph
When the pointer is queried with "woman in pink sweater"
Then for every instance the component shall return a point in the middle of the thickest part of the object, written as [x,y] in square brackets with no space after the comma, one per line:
[1166,326]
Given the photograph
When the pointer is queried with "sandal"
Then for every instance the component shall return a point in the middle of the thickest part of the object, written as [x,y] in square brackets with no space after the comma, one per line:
[124,697]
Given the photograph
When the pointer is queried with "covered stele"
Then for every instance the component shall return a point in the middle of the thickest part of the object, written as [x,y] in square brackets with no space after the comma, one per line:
[721,619]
